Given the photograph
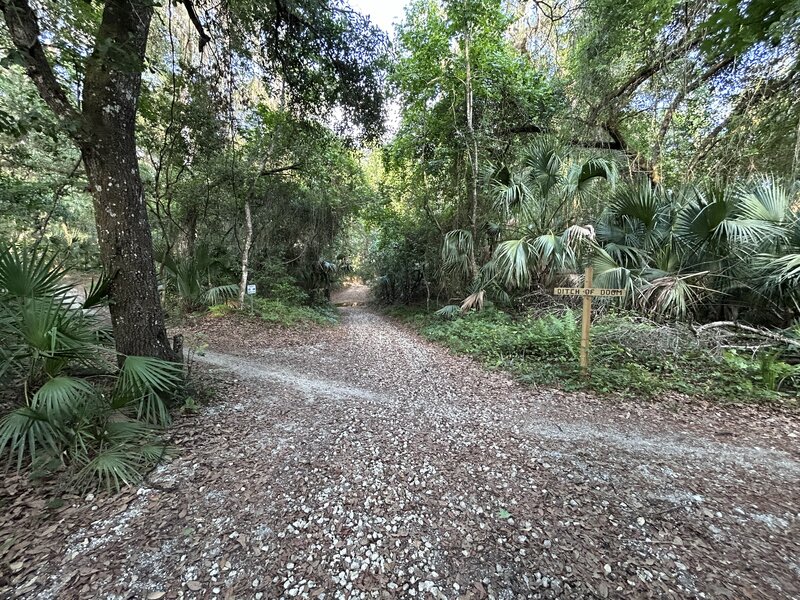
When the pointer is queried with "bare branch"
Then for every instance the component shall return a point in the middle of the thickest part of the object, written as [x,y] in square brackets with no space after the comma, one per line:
[770,335]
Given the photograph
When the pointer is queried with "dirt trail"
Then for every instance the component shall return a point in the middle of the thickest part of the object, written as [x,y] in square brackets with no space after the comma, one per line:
[362,462]
[664,444]
[355,294]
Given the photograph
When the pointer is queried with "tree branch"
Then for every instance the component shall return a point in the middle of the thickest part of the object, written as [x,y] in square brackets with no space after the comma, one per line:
[679,97]
[292,167]
[746,99]
[591,144]
[204,37]
[638,164]
[781,339]
[23,25]
[645,72]
[57,194]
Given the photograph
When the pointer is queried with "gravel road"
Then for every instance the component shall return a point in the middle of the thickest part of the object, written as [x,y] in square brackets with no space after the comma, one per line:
[363,462]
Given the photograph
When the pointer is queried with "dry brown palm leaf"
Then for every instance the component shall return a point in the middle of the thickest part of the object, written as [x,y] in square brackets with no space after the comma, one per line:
[473,301]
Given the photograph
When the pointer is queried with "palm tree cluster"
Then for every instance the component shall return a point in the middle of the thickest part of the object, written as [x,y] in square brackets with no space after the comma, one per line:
[700,252]
[78,411]
[704,252]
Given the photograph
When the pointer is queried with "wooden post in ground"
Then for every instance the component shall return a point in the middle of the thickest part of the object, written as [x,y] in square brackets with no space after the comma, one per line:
[587,292]
[586,322]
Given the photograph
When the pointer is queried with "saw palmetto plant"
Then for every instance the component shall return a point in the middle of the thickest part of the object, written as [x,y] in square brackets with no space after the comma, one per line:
[191,280]
[77,413]
[709,250]
[703,250]
[544,202]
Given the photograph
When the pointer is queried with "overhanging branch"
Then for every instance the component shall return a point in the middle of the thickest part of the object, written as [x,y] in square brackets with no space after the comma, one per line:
[23,25]
[204,37]
[614,144]
[276,170]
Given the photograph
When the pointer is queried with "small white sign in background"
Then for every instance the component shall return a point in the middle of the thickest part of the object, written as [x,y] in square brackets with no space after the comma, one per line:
[251,288]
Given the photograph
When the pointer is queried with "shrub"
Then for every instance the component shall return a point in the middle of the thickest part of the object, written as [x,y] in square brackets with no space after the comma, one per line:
[630,356]
[221,310]
[280,313]
[96,428]
[274,282]
[494,334]
[189,280]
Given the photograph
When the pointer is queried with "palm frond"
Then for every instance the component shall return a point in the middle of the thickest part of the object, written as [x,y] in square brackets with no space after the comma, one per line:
[764,199]
[55,334]
[145,382]
[543,160]
[582,176]
[474,301]
[451,311]
[554,252]
[113,468]
[641,213]
[576,234]
[456,250]
[27,275]
[778,278]
[25,432]
[628,256]
[510,196]
[151,408]
[121,430]
[141,374]
[753,232]
[609,273]
[672,296]
[97,294]
[716,220]
[222,292]
[61,396]
[512,262]
[783,268]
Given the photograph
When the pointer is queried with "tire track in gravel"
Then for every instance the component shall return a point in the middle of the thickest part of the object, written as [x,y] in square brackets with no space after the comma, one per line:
[658,445]
[365,462]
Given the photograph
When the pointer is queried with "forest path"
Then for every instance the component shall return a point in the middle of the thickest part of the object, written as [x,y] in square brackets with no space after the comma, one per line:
[354,294]
[363,461]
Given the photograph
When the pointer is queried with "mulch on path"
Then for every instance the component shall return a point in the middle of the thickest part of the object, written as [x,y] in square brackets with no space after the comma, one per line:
[360,461]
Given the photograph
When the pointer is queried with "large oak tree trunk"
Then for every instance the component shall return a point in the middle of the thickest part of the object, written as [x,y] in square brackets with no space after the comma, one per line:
[126,249]
[111,93]
[104,130]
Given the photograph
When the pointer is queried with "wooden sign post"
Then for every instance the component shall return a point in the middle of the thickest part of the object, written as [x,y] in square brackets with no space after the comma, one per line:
[587,292]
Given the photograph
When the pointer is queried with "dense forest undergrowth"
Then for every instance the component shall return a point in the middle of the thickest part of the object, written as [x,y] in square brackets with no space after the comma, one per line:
[236,161]
[631,357]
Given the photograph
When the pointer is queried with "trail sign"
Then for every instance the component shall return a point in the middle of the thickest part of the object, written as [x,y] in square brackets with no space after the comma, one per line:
[602,292]
[587,293]
[251,289]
